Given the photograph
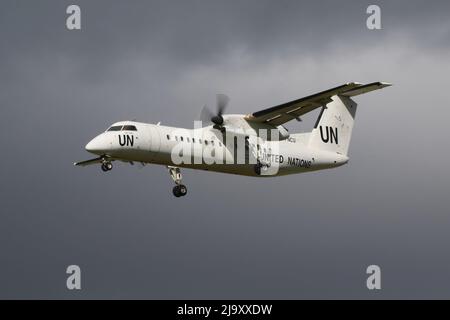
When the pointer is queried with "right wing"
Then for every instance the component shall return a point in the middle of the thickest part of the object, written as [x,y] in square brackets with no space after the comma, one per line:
[294,109]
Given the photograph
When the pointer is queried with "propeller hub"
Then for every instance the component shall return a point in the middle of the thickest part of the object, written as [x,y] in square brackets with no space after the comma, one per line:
[217,120]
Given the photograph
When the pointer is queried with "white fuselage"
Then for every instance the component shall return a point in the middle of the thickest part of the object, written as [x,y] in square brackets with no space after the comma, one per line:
[157,144]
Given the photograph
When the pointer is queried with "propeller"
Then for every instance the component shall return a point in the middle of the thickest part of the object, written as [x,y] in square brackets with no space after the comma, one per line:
[207,115]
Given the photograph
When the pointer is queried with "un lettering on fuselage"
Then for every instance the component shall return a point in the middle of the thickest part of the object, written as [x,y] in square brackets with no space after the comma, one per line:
[272,158]
[297,162]
[330,135]
[126,140]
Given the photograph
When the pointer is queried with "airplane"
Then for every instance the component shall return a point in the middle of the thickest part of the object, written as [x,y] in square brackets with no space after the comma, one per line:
[237,143]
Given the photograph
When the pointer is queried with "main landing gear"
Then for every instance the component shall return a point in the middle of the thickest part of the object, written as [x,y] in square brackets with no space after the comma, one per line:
[179,190]
[107,166]
[260,168]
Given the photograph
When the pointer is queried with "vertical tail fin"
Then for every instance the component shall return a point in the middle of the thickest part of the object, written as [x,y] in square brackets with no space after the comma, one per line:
[333,129]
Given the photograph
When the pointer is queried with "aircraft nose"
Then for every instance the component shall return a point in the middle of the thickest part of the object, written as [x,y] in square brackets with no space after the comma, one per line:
[93,146]
[90,146]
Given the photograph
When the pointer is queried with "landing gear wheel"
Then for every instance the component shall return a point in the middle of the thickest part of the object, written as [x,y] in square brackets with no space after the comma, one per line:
[183,189]
[107,166]
[179,190]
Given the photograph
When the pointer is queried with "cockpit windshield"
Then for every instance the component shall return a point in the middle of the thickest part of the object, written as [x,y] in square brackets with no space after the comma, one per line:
[122,128]
[129,128]
[115,128]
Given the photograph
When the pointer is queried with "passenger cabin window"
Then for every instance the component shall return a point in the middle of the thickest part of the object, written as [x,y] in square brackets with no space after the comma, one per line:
[181,138]
[115,128]
[168,137]
[193,140]
[206,142]
[187,139]
[129,128]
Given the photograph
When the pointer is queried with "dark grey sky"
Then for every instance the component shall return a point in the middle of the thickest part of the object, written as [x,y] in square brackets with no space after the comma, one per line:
[303,236]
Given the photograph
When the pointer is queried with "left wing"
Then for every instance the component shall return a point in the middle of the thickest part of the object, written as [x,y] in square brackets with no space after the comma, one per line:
[88,162]
[294,109]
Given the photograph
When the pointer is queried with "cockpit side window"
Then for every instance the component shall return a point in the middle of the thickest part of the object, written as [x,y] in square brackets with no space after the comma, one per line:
[115,128]
[129,128]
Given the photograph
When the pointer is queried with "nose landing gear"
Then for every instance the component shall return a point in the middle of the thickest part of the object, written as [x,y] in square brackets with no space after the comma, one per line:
[107,166]
[179,190]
